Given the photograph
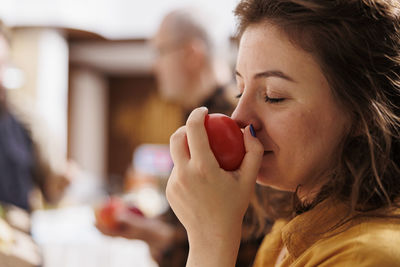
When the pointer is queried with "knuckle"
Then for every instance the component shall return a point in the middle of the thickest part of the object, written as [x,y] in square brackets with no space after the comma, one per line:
[202,168]
[193,123]
[170,190]
[175,184]
[258,149]
[177,135]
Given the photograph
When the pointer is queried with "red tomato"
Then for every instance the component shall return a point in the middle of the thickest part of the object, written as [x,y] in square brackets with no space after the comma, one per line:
[107,212]
[226,140]
[135,210]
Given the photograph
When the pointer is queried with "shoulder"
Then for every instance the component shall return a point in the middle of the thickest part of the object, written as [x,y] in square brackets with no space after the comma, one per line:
[375,242]
[12,126]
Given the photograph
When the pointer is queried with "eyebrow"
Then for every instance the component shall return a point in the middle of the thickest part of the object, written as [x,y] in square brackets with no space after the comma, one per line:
[270,73]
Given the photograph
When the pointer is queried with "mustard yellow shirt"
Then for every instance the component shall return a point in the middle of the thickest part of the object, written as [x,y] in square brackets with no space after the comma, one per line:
[311,240]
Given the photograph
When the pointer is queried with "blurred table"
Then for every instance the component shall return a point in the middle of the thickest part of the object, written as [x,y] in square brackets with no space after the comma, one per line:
[68,238]
[17,248]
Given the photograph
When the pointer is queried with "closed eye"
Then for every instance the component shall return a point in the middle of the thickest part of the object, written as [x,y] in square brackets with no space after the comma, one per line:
[266,98]
[273,100]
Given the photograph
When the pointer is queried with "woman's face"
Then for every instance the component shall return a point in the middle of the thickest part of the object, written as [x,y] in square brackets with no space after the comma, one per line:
[290,104]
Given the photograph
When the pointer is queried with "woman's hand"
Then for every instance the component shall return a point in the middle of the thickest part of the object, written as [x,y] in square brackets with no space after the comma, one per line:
[209,201]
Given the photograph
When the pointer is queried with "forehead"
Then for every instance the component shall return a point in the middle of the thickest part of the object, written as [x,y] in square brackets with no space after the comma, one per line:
[264,46]
[165,33]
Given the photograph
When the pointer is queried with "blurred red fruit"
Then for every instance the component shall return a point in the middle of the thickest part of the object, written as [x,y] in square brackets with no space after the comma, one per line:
[107,213]
[135,211]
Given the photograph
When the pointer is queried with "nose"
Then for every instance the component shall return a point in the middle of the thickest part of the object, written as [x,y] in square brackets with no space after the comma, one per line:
[245,113]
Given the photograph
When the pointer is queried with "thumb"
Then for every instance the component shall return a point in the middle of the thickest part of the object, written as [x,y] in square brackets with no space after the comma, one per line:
[252,160]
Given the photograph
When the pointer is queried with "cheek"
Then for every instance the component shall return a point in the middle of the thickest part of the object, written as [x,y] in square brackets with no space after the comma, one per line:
[305,134]
[308,130]
[304,144]
[309,135]
[289,129]
[321,145]
[160,70]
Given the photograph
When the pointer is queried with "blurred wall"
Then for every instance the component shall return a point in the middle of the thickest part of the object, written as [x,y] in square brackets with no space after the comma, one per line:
[41,100]
[137,115]
[88,121]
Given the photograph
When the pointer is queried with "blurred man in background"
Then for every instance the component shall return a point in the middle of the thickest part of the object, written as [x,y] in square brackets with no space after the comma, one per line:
[189,67]
[190,74]
[22,167]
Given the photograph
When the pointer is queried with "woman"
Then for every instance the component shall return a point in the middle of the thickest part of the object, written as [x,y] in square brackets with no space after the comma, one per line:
[319,85]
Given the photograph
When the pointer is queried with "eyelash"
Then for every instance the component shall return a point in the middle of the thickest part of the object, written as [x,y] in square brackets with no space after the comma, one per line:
[266,98]
[273,100]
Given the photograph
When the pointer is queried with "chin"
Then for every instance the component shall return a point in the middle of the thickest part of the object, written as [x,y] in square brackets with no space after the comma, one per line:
[273,182]
[266,181]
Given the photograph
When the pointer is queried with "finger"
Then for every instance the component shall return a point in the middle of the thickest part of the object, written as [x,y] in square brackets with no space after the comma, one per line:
[178,147]
[124,217]
[252,160]
[197,136]
[129,218]
[104,230]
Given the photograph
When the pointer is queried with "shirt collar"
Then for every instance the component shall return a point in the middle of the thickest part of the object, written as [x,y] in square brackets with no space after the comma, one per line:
[306,229]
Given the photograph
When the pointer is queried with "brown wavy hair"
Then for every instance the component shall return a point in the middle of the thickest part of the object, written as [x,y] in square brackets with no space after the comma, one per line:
[357,45]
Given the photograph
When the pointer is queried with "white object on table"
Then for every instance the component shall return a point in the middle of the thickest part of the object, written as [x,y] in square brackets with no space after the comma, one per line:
[68,238]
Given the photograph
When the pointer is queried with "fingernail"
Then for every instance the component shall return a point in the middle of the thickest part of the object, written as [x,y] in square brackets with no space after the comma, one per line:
[203,108]
[253,133]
